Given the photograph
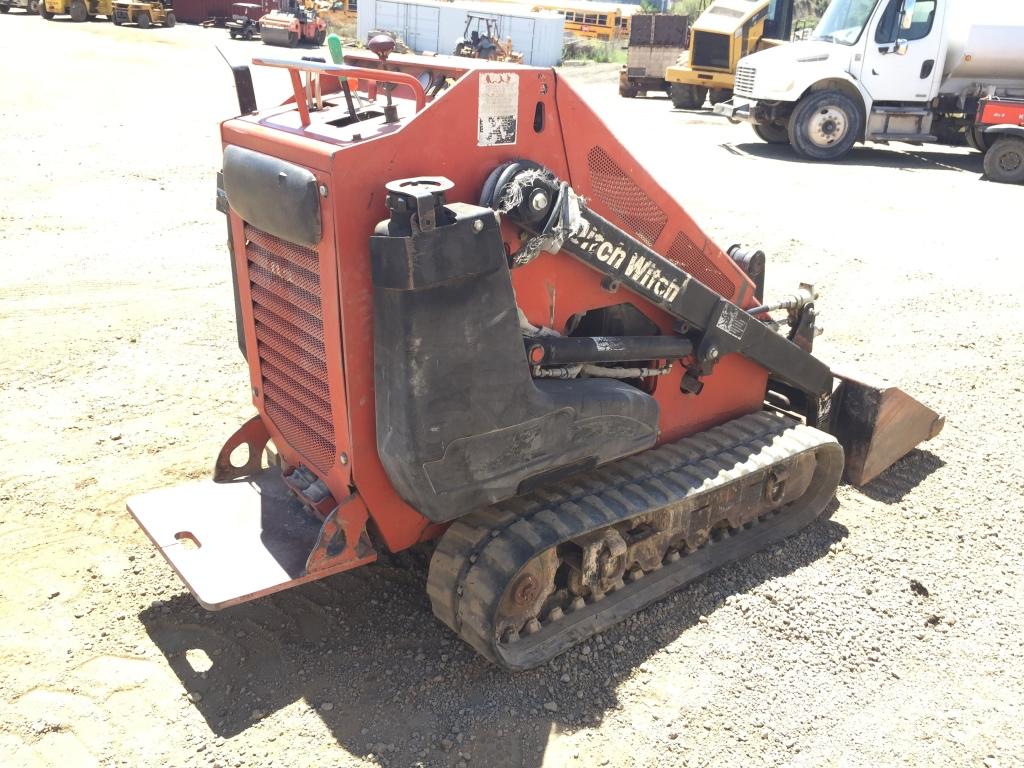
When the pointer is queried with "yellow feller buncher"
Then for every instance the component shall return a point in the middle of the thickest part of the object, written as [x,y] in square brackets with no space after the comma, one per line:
[144,15]
[78,10]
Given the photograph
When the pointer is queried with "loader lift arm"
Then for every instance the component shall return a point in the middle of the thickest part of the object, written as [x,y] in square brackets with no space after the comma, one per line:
[876,424]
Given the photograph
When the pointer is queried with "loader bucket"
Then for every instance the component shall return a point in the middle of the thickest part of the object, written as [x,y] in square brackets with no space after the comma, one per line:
[877,425]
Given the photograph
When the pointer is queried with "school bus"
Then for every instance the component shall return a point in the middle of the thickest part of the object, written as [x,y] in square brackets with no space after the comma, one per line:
[601,21]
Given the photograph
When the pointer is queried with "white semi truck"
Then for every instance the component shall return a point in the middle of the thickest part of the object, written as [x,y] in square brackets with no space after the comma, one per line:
[884,70]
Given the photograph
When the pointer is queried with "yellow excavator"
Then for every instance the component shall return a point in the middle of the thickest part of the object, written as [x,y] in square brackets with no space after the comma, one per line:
[726,31]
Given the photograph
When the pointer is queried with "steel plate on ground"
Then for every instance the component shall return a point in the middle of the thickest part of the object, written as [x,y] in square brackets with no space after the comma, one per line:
[230,542]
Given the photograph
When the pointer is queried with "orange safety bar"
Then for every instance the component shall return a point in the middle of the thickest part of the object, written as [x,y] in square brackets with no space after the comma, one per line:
[339,71]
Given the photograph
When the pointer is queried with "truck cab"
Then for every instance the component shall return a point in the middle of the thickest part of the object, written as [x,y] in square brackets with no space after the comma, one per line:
[879,70]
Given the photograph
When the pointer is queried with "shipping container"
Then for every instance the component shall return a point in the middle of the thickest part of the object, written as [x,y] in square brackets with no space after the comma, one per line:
[432,27]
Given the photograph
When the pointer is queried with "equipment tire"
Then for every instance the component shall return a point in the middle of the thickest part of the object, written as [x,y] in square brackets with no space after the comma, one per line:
[170,19]
[293,39]
[718,95]
[770,133]
[116,21]
[1004,161]
[976,139]
[4,8]
[144,20]
[824,125]
[78,12]
[687,96]
[33,7]
[627,91]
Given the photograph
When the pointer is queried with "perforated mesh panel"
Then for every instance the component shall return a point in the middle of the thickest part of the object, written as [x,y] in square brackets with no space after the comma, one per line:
[284,279]
[610,184]
[686,254]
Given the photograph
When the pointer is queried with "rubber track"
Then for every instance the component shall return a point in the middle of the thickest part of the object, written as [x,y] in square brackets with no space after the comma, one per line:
[480,554]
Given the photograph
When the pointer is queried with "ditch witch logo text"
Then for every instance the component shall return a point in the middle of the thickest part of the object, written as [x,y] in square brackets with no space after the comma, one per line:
[635,267]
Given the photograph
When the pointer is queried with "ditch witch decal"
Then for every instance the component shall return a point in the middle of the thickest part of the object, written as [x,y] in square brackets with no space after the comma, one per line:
[633,266]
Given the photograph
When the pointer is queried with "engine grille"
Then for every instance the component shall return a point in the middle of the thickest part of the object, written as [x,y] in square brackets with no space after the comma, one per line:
[686,254]
[284,280]
[621,194]
[745,80]
[710,49]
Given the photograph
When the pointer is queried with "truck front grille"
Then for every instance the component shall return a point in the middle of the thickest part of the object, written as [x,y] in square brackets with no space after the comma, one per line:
[745,81]
[710,50]
[284,280]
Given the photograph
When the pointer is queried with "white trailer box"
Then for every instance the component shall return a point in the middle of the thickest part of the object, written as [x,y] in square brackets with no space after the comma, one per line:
[435,27]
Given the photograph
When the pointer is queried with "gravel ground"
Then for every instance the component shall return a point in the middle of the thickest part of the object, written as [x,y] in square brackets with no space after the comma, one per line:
[888,635]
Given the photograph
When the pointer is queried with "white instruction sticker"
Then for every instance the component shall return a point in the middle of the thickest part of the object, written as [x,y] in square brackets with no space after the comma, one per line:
[497,109]
[732,321]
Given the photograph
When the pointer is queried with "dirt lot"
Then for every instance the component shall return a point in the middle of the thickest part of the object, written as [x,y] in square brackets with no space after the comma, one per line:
[119,373]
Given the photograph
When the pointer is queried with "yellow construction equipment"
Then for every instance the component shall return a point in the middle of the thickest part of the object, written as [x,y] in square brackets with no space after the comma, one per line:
[78,10]
[725,32]
[144,14]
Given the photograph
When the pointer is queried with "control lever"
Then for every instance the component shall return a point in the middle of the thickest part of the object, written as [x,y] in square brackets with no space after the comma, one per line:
[337,57]
[382,46]
[314,98]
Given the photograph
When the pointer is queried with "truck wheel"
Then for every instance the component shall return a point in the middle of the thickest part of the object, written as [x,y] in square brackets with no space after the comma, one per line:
[117,22]
[232,33]
[4,8]
[976,139]
[1004,161]
[687,96]
[770,133]
[718,95]
[627,91]
[824,125]
[143,20]
[33,7]
[170,19]
[78,12]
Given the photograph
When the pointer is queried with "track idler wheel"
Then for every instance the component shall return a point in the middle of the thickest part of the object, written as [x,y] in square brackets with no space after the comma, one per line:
[529,578]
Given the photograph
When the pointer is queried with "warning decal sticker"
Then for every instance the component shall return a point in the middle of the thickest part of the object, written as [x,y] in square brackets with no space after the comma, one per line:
[732,321]
[497,109]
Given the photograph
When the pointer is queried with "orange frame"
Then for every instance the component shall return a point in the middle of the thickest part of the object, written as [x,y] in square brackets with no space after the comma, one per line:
[441,140]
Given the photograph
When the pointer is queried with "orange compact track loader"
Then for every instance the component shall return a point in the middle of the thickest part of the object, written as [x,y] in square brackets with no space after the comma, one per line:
[475,325]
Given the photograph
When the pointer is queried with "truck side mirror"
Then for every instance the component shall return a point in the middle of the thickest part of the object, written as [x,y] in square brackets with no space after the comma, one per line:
[900,47]
[908,13]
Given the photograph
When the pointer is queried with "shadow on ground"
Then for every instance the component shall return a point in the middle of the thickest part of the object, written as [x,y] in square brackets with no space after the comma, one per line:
[898,156]
[902,477]
[400,685]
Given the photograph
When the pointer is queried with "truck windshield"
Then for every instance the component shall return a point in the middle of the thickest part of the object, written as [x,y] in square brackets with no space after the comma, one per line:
[843,21]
